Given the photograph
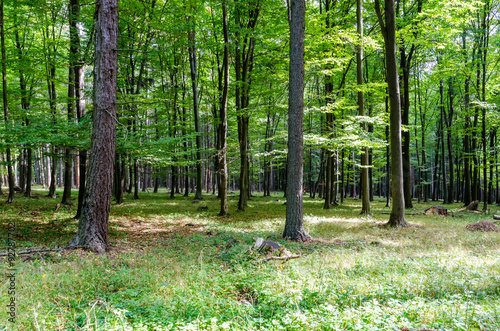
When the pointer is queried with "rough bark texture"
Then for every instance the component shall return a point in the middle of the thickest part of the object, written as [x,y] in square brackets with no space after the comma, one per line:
[93,224]
[397,218]
[223,119]
[294,226]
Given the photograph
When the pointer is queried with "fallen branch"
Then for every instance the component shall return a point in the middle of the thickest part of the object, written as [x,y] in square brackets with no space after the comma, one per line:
[34,251]
[496,217]
[282,258]
[388,213]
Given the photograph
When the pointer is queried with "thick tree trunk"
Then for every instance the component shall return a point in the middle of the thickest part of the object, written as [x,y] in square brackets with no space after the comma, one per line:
[294,226]
[93,224]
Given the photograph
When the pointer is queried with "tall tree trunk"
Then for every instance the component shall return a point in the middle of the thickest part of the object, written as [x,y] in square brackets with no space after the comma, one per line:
[26,173]
[294,226]
[365,180]
[441,136]
[82,153]
[10,173]
[449,122]
[117,181]
[397,217]
[223,118]
[387,156]
[136,179]
[93,224]
[485,27]
[467,152]
[194,86]
[493,133]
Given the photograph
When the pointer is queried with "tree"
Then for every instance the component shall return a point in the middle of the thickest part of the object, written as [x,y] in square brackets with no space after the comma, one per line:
[365,182]
[93,224]
[294,226]
[10,173]
[223,118]
[397,218]
[194,84]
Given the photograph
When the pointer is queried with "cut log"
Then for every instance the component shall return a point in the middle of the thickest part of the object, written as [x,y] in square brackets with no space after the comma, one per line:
[496,217]
[439,210]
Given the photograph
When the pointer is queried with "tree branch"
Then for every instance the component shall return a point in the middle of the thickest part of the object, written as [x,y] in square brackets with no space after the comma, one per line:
[380,19]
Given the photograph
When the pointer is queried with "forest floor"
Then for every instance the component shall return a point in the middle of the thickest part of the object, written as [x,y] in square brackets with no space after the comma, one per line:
[173,267]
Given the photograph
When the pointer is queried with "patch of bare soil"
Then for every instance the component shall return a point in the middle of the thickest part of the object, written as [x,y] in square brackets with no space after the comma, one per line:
[484,226]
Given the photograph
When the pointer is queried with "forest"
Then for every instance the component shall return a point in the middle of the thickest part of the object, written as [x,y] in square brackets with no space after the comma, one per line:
[250,165]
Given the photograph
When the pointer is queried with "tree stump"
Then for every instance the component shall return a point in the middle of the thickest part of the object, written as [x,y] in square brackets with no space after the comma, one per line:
[473,205]
[439,210]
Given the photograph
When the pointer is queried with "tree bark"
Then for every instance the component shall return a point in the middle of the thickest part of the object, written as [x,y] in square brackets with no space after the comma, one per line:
[93,224]
[82,154]
[10,173]
[223,118]
[397,218]
[467,197]
[441,136]
[194,86]
[294,226]
[365,180]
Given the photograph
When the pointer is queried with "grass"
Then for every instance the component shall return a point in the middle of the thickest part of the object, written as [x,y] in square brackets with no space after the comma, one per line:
[175,268]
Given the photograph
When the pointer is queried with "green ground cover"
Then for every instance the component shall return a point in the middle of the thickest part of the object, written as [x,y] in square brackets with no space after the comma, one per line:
[173,267]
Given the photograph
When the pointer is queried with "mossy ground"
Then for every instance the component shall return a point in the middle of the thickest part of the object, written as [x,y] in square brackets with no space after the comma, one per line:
[174,267]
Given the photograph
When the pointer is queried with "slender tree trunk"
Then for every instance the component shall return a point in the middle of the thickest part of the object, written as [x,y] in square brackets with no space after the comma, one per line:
[118,181]
[10,173]
[449,122]
[136,179]
[485,43]
[365,180]
[467,153]
[194,85]
[397,218]
[223,118]
[493,133]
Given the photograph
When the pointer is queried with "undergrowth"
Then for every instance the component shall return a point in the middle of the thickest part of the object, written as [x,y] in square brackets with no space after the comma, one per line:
[172,267]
